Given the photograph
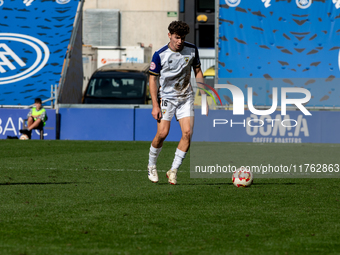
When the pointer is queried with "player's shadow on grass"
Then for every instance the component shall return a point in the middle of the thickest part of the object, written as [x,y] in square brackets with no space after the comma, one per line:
[208,184]
[272,183]
[36,183]
[193,184]
[219,184]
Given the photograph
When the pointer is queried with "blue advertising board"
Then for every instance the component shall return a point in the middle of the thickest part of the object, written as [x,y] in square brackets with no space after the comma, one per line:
[11,122]
[96,124]
[34,36]
[139,125]
[266,43]
[219,126]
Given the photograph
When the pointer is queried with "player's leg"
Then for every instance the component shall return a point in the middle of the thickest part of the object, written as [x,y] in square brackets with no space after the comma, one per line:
[182,149]
[35,124]
[30,121]
[28,131]
[163,127]
[187,126]
[185,116]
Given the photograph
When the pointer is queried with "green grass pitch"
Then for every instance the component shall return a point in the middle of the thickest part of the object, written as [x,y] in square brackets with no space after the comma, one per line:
[81,197]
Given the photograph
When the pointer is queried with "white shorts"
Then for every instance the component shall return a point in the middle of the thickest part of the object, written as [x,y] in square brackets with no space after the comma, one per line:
[179,108]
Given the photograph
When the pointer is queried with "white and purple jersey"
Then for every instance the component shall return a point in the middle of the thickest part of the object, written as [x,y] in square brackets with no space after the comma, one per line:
[174,69]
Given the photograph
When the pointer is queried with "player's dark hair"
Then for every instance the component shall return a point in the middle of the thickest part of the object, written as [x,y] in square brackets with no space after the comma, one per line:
[37,100]
[179,27]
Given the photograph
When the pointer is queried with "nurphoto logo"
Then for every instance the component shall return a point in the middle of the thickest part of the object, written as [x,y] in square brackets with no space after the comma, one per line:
[238,102]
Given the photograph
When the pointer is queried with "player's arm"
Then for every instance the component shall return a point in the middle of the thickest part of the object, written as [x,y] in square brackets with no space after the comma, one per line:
[156,111]
[196,65]
[198,73]
[200,81]
[154,71]
[29,113]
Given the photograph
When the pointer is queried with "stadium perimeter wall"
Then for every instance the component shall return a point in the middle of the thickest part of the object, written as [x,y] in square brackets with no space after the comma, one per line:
[11,123]
[137,124]
[128,123]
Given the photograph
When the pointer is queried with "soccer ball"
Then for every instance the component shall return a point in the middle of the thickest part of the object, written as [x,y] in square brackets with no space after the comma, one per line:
[242,177]
[23,137]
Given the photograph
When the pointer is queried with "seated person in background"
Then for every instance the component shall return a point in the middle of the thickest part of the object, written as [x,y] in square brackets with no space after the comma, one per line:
[36,118]
[105,89]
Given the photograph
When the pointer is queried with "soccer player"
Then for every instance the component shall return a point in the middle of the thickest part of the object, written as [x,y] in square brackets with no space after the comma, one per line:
[172,66]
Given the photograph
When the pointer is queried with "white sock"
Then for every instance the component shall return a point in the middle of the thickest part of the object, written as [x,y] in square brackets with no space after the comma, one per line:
[179,156]
[153,155]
